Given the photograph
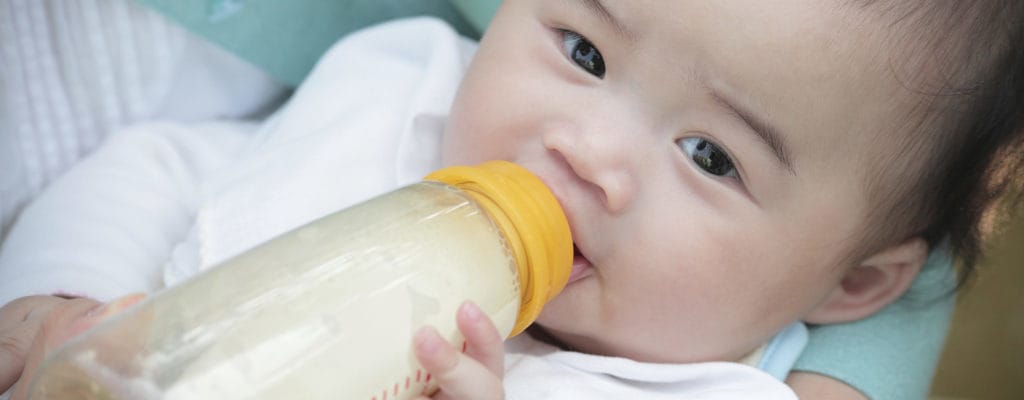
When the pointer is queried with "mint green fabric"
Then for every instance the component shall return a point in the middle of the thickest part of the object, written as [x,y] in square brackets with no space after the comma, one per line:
[478,12]
[286,38]
[892,354]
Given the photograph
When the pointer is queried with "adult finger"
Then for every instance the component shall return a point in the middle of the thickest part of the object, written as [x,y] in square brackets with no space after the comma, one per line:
[29,308]
[63,323]
[22,320]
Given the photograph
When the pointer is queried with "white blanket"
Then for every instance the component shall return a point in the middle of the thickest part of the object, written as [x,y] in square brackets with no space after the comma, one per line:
[71,72]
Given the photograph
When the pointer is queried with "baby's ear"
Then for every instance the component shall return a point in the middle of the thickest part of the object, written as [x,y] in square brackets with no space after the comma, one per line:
[879,280]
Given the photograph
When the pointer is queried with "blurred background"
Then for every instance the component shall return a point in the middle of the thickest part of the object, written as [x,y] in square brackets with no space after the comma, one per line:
[984,355]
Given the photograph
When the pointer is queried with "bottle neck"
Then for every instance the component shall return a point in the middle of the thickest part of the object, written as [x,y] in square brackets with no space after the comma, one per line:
[532,222]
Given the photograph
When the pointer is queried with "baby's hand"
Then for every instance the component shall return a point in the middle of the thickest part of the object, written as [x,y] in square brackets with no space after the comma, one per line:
[475,374]
[31,327]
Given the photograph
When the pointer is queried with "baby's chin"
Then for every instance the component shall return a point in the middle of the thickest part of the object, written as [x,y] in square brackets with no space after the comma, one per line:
[564,342]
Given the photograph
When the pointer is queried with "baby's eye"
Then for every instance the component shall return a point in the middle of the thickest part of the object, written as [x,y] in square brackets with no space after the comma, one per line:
[709,157]
[582,52]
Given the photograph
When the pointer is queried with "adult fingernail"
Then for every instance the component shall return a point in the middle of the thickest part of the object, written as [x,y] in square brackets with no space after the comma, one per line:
[98,311]
[115,306]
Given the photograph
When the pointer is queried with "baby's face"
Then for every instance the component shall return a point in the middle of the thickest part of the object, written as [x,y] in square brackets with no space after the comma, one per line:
[710,156]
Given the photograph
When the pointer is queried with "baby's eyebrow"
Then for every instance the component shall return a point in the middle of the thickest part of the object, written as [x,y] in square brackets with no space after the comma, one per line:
[766,132]
[598,7]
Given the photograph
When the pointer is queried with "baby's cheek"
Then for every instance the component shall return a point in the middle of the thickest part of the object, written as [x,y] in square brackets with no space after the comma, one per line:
[464,138]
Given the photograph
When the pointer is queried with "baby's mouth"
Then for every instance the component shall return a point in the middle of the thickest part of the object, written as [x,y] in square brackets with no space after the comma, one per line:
[581,267]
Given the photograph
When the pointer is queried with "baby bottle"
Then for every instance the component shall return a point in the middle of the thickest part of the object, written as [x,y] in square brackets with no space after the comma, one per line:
[328,310]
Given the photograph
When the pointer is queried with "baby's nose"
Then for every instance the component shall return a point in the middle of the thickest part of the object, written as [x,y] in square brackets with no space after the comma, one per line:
[601,163]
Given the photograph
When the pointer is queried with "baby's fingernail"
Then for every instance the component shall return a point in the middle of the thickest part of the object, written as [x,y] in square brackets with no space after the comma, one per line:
[428,341]
[471,311]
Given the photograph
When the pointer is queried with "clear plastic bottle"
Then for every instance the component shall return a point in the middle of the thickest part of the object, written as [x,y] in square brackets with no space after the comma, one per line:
[328,310]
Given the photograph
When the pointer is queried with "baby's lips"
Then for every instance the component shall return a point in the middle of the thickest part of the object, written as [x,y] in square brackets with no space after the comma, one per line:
[580,265]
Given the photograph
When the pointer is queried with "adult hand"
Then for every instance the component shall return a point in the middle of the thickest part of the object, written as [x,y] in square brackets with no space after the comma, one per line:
[31,327]
[473,374]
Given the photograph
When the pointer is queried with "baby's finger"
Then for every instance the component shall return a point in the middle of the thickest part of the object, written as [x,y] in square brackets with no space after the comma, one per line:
[457,375]
[483,342]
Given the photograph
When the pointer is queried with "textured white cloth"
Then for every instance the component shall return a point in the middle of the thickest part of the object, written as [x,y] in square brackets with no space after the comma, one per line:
[106,227]
[71,72]
[368,119]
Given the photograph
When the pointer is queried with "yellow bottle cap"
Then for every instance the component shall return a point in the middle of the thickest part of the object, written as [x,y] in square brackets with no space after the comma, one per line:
[532,221]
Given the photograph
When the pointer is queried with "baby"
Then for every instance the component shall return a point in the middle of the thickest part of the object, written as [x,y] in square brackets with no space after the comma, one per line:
[731,167]
[727,168]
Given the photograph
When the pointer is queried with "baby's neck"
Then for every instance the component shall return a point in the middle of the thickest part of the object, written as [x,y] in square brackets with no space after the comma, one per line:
[538,332]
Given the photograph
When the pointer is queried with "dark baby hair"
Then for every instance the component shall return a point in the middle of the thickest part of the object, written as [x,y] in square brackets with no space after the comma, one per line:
[967,151]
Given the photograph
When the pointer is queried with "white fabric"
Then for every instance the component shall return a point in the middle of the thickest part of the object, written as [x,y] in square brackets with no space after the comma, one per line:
[71,72]
[367,120]
[104,229]
[535,370]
